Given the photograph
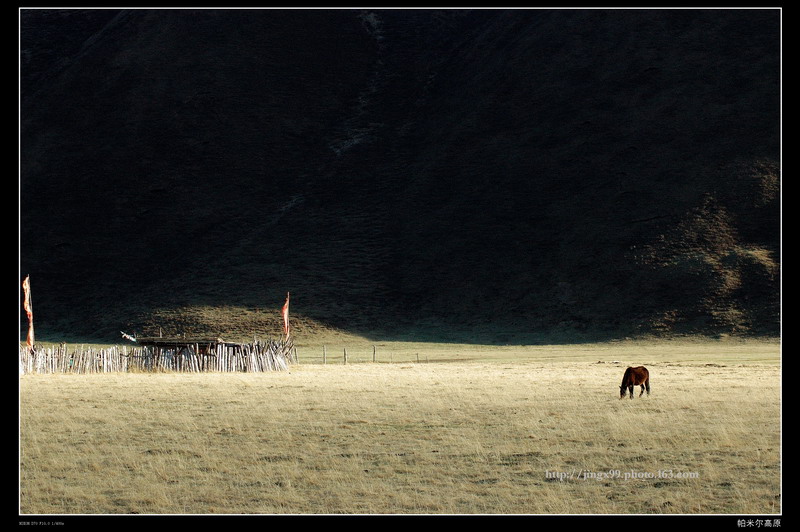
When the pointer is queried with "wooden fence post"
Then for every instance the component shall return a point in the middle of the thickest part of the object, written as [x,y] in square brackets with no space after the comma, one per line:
[345,355]
[324,355]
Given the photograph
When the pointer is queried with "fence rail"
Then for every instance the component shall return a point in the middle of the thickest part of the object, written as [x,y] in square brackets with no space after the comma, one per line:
[255,357]
[361,354]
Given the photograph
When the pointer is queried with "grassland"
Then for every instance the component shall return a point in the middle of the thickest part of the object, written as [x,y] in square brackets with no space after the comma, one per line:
[468,429]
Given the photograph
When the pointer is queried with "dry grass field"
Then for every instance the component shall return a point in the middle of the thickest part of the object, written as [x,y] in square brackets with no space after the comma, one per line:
[491,430]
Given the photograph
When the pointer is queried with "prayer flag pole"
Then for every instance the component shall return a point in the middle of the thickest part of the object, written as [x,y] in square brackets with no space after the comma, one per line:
[285,312]
[28,306]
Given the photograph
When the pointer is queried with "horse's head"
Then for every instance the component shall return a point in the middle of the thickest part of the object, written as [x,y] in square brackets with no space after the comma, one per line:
[622,390]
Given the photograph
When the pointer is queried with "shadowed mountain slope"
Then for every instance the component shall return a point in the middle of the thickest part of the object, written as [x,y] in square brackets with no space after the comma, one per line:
[462,175]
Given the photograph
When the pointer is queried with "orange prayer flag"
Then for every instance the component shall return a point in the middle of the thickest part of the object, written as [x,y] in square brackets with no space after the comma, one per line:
[26,304]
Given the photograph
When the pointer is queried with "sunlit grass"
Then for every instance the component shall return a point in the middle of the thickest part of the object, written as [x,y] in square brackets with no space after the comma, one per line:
[481,433]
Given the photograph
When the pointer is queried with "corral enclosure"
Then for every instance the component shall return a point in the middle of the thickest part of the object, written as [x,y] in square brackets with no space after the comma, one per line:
[511,430]
[160,354]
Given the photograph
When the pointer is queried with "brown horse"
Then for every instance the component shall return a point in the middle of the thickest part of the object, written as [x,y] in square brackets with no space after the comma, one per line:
[638,376]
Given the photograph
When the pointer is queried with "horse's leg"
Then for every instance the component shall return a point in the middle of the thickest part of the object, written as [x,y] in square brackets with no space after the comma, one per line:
[647,385]
[630,390]
[642,392]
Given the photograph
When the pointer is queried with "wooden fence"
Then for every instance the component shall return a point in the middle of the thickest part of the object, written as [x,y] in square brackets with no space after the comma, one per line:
[255,357]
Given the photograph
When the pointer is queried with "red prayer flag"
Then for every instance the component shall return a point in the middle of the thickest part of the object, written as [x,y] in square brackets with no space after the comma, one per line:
[26,304]
[285,312]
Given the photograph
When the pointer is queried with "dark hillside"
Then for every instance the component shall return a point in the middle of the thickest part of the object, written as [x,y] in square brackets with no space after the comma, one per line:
[561,174]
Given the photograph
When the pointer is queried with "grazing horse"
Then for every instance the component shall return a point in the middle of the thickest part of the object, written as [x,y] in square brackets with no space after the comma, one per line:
[638,376]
